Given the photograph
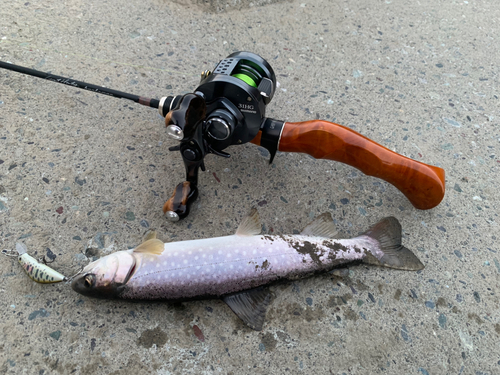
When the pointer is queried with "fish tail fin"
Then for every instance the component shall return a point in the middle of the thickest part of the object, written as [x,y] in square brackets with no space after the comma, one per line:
[390,252]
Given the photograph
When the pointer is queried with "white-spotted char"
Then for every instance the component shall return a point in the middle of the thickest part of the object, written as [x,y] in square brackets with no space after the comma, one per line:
[235,268]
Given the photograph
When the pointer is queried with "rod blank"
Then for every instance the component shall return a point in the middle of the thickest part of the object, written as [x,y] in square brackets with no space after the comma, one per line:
[154,103]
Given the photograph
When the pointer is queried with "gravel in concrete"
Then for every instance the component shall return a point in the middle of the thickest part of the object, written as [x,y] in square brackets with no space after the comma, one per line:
[82,175]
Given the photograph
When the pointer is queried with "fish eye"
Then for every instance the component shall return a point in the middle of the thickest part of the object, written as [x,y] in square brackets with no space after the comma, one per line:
[89,280]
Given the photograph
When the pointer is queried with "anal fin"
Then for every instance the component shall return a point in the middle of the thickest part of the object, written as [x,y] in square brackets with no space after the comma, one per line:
[250,306]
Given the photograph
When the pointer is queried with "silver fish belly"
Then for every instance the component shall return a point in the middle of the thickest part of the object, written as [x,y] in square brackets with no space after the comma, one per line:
[235,268]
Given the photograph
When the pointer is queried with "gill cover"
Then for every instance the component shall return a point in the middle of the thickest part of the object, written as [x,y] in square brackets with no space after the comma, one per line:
[104,277]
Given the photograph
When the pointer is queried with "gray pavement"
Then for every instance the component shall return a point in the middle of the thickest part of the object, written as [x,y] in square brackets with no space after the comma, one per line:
[82,175]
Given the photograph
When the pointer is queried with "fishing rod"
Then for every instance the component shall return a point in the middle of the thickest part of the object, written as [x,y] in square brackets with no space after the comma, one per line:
[81,85]
[228,108]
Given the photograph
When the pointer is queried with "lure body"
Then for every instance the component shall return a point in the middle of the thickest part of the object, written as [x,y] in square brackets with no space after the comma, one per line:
[37,271]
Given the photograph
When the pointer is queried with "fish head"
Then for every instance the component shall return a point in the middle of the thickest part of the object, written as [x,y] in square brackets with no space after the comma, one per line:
[106,277]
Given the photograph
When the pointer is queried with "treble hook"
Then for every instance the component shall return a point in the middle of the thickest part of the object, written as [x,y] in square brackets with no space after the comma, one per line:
[44,261]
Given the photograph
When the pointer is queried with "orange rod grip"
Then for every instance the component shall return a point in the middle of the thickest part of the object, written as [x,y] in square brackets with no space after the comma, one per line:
[422,184]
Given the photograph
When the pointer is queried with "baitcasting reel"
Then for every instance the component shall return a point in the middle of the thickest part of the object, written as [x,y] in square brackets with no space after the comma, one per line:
[228,108]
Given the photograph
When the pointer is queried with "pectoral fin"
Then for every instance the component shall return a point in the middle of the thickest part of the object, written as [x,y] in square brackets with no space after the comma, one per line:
[149,235]
[250,306]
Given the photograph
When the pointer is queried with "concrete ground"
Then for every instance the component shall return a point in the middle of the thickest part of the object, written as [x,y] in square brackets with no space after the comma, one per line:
[82,175]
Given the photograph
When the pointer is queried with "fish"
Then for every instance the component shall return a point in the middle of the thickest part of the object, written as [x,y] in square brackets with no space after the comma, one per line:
[41,273]
[239,268]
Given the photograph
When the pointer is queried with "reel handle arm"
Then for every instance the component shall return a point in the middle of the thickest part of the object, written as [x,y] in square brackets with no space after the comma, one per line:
[422,184]
[185,123]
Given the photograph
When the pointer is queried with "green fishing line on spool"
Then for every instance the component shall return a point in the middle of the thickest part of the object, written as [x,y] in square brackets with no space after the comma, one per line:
[247,79]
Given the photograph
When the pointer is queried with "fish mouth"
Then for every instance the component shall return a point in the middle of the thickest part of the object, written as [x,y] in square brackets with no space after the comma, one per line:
[85,284]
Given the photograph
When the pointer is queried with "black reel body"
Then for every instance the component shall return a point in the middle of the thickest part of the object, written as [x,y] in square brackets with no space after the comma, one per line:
[236,93]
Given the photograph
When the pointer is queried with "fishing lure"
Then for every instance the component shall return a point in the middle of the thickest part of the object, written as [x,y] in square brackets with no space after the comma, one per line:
[41,273]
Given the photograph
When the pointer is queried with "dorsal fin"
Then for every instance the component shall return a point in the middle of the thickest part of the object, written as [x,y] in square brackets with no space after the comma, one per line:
[322,226]
[153,247]
[250,226]
[250,306]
